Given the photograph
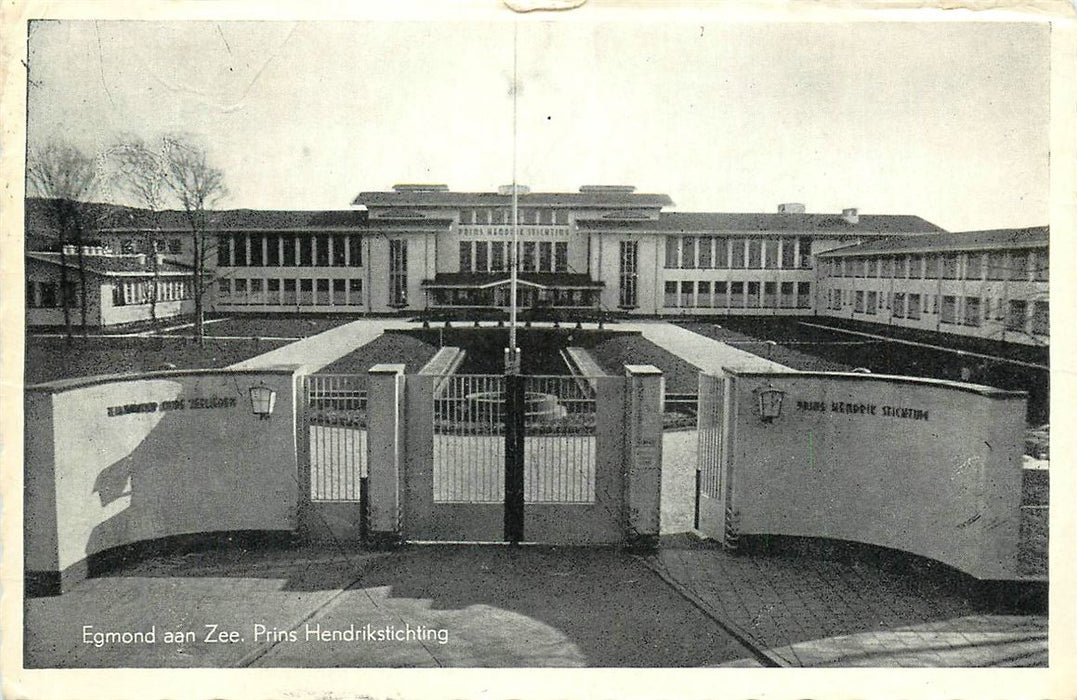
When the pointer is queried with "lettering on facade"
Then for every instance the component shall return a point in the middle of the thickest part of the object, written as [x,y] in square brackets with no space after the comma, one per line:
[505,231]
[194,403]
[864,409]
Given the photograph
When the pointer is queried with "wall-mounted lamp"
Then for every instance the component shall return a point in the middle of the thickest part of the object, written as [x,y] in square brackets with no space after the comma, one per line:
[262,401]
[770,404]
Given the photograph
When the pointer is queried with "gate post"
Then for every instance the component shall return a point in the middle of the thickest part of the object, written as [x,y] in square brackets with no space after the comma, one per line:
[384,449]
[643,455]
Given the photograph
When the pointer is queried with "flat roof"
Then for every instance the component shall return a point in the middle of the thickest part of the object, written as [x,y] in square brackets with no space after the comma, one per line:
[705,222]
[438,198]
[995,239]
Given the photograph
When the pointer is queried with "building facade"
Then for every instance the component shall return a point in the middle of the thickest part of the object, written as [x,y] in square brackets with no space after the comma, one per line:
[984,284]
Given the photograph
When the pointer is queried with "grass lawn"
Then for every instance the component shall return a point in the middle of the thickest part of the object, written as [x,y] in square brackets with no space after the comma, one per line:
[48,359]
[389,347]
[631,348]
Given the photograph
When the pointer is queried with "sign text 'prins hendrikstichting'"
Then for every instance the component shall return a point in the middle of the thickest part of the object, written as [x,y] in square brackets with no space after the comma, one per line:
[174,405]
[863,409]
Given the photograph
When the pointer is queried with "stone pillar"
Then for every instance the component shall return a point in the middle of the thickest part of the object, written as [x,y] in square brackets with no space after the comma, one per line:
[384,452]
[643,455]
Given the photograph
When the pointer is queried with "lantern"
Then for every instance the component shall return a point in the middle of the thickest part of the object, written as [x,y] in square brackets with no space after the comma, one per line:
[262,401]
[770,404]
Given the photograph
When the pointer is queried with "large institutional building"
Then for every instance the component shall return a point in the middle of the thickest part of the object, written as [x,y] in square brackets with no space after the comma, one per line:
[424,249]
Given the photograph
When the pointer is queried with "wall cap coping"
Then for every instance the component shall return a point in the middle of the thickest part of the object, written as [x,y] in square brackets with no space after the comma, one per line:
[642,370]
[61,385]
[387,368]
[980,389]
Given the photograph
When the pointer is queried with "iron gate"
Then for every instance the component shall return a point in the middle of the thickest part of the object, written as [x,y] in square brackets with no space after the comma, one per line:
[710,516]
[335,418]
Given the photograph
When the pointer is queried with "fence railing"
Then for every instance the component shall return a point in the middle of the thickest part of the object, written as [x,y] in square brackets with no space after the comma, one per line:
[336,420]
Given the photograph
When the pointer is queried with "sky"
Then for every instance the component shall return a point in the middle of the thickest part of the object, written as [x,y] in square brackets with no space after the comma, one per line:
[948,121]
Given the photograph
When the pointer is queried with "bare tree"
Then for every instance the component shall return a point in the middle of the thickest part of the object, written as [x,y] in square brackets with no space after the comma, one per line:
[197,185]
[66,177]
[139,172]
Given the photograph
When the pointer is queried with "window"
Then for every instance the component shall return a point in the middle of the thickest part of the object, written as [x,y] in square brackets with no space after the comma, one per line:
[721,252]
[288,250]
[273,250]
[340,293]
[545,256]
[288,298]
[770,293]
[306,251]
[736,258]
[721,298]
[688,252]
[914,306]
[545,217]
[528,262]
[127,246]
[898,308]
[321,251]
[175,246]
[224,251]
[974,266]
[560,256]
[688,294]
[398,272]
[560,217]
[355,251]
[257,259]
[755,253]
[465,256]
[240,291]
[355,292]
[1040,263]
[803,295]
[858,304]
[1041,318]
[1019,266]
[497,256]
[916,267]
[805,252]
[873,267]
[467,217]
[706,252]
[306,291]
[949,266]
[872,303]
[482,216]
[753,295]
[972,311]
[273,291]
[117,293]
[671,294]
[1017,316]
[886,267]
[901,266]
[337,246]
[736,294]
[996,266]
[673,252]
[257,291]
[788,293]
[703,293]
[500,216]
[770,253]
[949,309]
[789,252]
[627,292]
[482,256]
[932,267]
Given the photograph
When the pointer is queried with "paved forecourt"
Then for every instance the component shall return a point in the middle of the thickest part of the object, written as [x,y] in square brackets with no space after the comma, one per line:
[317,351]
[707,354]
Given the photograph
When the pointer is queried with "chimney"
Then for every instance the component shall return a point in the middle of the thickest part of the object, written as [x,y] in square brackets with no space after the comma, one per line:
[850,215]
[791,208]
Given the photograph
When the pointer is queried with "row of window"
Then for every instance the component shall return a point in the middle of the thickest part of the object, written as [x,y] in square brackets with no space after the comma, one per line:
[524,215]
[303,291]
[131,246]
[289,250]
[133,292]
[691,252]
[970,311]
[1015,265]
[492,256]
[767,295]
[528,297]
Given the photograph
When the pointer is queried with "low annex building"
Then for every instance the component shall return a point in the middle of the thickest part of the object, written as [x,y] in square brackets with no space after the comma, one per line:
[120,288]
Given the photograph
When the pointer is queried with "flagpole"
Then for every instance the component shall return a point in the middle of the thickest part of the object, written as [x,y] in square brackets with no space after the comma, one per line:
[513,360]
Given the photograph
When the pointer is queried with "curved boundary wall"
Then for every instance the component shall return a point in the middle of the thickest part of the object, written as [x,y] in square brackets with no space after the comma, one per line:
[112,461]
[924,466]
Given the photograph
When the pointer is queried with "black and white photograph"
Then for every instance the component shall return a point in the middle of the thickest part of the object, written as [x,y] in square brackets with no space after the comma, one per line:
[529,339]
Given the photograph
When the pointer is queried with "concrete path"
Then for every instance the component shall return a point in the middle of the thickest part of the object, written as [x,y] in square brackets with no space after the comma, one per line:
[706,354]
[415,607]
[317,351]
[864,607]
